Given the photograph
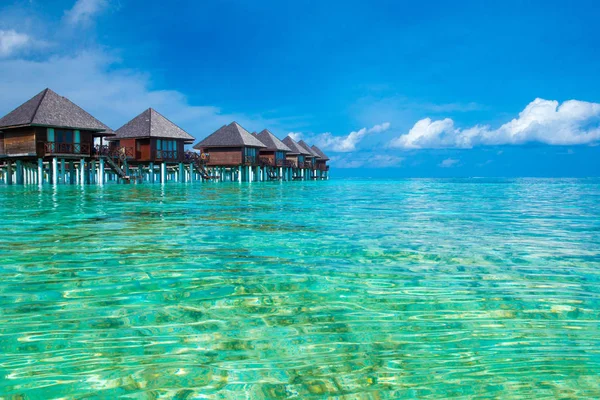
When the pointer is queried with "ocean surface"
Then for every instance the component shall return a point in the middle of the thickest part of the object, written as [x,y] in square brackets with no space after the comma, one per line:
[356,289]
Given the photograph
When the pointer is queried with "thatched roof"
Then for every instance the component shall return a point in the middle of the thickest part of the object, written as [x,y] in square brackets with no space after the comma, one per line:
[271,141]
[49,109]
[322,155]
[151,123]
[232,135]
[296,149]
[306,147]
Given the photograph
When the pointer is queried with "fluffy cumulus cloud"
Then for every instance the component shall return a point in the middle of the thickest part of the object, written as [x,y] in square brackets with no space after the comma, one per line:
[349,142]
[84,10]
[543,121]
[12,41]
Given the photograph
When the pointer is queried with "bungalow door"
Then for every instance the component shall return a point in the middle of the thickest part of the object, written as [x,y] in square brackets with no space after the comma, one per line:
[63,141]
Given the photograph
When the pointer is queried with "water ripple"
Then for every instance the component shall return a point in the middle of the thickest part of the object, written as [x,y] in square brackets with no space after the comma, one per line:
[353,289]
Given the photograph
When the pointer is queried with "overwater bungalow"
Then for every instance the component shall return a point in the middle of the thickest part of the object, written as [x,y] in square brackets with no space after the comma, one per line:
[310,159]
[150,140]
[322,169]
[232,154]
[273,156]
[298,157]
[50,139]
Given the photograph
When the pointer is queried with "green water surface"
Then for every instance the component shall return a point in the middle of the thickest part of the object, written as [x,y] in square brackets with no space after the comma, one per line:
[420,288]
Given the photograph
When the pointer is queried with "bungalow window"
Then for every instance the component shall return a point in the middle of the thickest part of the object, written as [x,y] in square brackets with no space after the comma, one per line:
[63,136]
[279,155]
[250,154]
[166,148]
[300,159]
[63,140]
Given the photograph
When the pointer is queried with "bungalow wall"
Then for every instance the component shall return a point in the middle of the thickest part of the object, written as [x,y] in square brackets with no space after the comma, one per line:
[153,153]
[86,139]
[225,156]
[20,141]
[145,149]
[270,155]
[1,144]
[293,159]
[127,143]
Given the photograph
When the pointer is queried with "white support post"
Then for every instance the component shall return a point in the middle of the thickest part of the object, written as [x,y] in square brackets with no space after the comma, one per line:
[62,172]
[55,171]
[240,174]
[163,172]
[101,172]
[82,172]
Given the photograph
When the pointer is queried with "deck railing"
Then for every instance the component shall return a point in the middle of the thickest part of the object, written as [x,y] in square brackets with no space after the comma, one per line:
[278,162]
[126,152]
[122,153]
[67,148]
[103,150]
[266,161]
[250,160]
[166,154]
[199,158]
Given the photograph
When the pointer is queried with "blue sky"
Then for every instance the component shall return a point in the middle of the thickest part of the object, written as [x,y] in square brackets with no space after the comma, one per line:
[388,88]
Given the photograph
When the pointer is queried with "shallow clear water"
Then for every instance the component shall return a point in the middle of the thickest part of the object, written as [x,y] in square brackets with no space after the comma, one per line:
[356,289]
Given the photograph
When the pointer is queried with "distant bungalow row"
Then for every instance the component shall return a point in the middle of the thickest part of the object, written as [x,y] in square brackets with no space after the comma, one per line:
[49,139]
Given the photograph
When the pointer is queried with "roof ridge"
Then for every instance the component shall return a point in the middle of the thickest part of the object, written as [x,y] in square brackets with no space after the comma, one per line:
[45,91]
[150,122]
[239,131]
[168,120]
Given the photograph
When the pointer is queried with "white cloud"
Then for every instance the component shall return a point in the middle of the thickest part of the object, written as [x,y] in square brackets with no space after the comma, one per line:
[366,159]
[84,10]
[386,160]
[12,41]
[296,135]
[543,121]
[449,163]
[348,143]
[94,80]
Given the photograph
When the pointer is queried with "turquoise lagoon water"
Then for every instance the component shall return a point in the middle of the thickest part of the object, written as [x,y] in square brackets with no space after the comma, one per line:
[351,289]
